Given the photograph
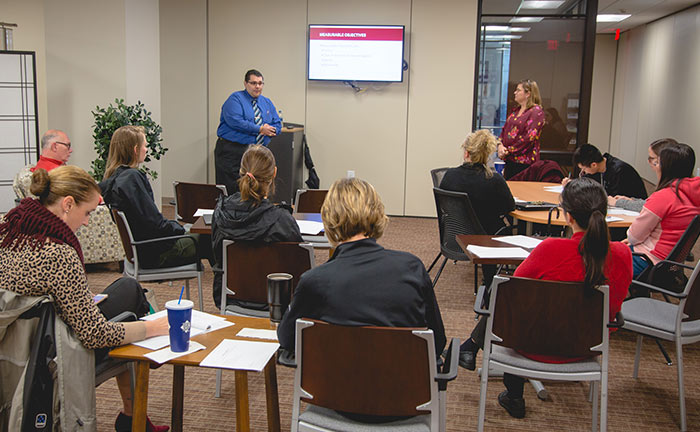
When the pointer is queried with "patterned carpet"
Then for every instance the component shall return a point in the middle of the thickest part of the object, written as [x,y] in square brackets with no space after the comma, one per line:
[649,403]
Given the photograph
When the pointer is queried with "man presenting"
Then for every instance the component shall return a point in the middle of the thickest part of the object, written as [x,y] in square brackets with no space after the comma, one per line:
[55,150]
[247,117]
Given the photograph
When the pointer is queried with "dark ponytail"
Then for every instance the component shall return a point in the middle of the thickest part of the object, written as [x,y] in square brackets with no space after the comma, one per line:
[586,201]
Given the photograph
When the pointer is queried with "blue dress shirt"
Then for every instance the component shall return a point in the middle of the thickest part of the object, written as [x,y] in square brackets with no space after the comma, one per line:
[237,122]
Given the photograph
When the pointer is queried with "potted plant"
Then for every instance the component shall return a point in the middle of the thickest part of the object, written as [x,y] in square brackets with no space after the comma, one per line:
[108,120]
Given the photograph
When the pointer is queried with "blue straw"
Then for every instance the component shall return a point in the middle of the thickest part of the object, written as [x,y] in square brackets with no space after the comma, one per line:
[181,291]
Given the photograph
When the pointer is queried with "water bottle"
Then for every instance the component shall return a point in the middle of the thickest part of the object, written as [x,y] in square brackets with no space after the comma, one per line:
[279,113]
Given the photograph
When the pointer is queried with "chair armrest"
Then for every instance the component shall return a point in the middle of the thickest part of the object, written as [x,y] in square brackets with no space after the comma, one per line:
[449,369]
[124,317]
[479,300]
[286,358]
[161,239]
[619,321]
[501,230]
[659,290]
[676,263]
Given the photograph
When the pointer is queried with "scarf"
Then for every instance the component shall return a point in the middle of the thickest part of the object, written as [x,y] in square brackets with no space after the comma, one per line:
[31,223]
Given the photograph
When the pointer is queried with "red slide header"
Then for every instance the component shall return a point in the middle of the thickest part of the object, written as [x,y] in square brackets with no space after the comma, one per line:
[356,33]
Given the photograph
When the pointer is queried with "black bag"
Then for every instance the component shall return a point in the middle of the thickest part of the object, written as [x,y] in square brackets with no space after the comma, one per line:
[38,382]
[313,182]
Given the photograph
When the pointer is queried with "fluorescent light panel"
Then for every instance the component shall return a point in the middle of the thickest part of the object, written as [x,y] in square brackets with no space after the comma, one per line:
[612,17]
[501,37]
[532,4]
[497,28]
[526,19]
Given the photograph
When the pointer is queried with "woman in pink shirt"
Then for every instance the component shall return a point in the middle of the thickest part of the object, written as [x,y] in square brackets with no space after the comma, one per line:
[668,211]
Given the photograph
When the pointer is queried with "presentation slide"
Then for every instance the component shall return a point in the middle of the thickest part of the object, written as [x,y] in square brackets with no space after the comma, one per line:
[356,53]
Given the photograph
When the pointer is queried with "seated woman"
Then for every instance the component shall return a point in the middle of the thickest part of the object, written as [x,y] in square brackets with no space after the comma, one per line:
[249,215]
[588,256]
[489,194]
[127,188]
[39,254]
[362,283]
[668,211]
[636,204]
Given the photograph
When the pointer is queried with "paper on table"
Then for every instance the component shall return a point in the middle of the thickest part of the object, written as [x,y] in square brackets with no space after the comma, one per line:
[619,211]
[557,189]
[310,227]
[520,240]
[202,212]
[258,333]
[240,355]
[158,342]
[612,219]
[497,252]
[202,322]
[161,356]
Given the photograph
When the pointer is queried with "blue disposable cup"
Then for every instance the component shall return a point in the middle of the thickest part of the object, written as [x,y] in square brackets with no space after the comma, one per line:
[499,165]
[180,321]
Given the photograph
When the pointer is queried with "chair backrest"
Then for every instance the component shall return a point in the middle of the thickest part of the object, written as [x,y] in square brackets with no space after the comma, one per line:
[385,371]
[437,174]
[192,196]
[309,200]
[455,216]
[124,233]
[691,304]
[549,317]
[685,244]
[247,264]
[669,276]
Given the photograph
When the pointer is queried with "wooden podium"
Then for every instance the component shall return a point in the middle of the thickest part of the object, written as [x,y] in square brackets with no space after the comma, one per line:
[289,154]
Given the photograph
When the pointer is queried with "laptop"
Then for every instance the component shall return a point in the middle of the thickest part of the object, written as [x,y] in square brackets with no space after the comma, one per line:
[534,205]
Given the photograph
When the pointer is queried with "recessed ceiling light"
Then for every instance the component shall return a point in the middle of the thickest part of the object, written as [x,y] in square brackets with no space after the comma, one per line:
[612,17]
[501,37]
[497,28]
[532,4]
[526,19]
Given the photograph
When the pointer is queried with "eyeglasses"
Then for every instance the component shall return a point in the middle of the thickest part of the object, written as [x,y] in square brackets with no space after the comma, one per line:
[68,145]
[256,83]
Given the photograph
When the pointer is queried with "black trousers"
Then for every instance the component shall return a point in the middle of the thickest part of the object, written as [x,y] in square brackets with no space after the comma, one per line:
[227,163]
[124,294]
[513,168]
[514,384]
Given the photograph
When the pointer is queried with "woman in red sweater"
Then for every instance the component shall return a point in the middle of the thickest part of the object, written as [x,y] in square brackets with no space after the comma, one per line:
[587,256]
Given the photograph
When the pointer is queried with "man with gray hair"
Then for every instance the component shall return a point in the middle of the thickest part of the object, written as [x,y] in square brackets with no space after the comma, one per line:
[55,150]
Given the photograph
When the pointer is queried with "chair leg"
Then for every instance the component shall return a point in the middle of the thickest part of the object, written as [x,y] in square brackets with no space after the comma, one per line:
[437,276]
[218,383]
[476,278]
[201,297]
[681,388]
[669,362]
[637,354]
[434,261]
[482,394]
[442,400]
[187,289]
[594,406]
[539,389]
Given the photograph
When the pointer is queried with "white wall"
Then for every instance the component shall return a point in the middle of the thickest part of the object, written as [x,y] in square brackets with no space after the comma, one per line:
[657,87]
[602,92]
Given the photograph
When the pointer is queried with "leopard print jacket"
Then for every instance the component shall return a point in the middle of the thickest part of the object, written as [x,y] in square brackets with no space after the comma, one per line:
[55,269]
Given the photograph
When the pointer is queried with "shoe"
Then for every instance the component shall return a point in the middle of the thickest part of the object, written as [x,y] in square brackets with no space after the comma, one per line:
[123,424]
[467,360]
[515,407]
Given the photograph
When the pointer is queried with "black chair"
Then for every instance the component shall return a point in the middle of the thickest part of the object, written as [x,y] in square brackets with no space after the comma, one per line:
[437,174]
[455,217]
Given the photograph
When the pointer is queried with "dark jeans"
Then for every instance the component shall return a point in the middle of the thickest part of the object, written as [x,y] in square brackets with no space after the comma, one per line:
[171,253]
[227,163]
[124,294]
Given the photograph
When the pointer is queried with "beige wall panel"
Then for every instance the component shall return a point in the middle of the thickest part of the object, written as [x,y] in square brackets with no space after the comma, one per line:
[29,36]
[183,73]
[83,69]
[443,48]
[602,91]
[364,132]
[238,41]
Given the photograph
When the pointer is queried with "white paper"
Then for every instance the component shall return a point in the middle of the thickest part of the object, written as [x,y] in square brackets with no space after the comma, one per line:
[497,252]
[202,322]
[201,212]
[612,219]
[158,342]
[240,355]
[619,211]
[557,189]
[258,333]
[310,227]
[166,354]
[520,240]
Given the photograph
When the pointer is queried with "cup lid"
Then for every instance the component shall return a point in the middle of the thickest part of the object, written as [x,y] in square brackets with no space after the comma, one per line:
[279,276]
[184,304]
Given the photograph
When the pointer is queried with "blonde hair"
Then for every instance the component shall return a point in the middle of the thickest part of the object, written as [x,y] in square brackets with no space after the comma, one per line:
[122,148]
[257,173]
[67,180]
[531,87]
[352,206]
[481,145]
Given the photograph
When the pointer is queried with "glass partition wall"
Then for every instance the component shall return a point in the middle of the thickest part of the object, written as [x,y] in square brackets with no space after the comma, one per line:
[550,42]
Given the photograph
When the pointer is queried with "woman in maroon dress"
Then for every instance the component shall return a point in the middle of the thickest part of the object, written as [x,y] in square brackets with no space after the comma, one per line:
[519,143]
